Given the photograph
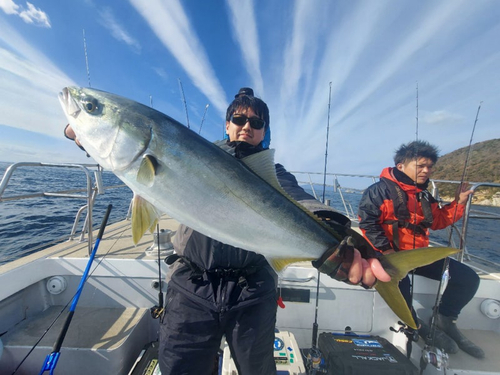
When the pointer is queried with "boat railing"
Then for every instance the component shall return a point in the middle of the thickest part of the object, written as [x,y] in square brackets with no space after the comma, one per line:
[470,213]
[336,188]
[361,182]
[94,187]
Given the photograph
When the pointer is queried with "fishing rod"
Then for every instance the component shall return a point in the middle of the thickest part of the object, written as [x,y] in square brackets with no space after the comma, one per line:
[445,275]
[86,57]
[326,147]
[314,354]
[411,334]
[203,118]
[51,360]
[184,100]
[156,311]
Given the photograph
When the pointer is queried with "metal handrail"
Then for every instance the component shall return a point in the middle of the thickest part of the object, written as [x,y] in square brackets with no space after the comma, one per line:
[467,215]
[90,193]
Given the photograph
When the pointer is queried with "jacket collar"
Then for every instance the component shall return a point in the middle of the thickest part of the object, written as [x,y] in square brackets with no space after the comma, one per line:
[402,179]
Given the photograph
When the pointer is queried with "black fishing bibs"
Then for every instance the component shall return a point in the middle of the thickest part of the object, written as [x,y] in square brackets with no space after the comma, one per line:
[399,200]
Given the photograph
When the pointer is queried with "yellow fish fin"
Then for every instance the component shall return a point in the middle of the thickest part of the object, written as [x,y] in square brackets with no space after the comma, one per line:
[144,217]
[392,296]
[398,265]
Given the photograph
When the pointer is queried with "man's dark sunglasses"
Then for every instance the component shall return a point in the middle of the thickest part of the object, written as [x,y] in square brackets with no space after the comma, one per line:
[241,120]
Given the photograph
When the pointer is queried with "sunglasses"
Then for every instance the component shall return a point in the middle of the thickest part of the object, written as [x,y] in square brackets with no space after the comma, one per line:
[241,120]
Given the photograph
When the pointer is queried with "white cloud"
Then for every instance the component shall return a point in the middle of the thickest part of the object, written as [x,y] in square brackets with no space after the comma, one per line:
[108,20]
[30,84]
[9,7]
[242,19]
[441,117]
[169,22]
[30,15]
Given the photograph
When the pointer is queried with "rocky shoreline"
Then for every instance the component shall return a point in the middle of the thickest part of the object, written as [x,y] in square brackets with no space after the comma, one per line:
[481,200]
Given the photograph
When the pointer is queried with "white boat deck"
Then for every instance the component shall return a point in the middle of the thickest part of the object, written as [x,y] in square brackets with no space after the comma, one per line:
[112,319]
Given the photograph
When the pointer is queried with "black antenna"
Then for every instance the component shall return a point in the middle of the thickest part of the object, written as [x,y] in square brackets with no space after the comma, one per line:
[326,147]
[184,100]
[86,57]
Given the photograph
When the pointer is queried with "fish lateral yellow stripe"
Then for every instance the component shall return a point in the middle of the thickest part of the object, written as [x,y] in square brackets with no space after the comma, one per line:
[281,263]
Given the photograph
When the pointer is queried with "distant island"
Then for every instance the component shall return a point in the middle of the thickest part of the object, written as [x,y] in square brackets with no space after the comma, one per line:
[483,166]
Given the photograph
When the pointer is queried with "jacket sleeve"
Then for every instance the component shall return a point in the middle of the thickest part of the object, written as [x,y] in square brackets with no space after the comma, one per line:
[446,215]
[371,216]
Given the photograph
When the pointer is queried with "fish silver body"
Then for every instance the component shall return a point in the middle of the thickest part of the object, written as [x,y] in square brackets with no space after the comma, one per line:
[195,182]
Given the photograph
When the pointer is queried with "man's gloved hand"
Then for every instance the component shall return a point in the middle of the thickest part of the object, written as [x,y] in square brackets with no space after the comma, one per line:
[337,261]
[353,261]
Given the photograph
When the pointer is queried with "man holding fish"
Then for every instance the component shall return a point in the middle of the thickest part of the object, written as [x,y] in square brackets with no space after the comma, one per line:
[240,225]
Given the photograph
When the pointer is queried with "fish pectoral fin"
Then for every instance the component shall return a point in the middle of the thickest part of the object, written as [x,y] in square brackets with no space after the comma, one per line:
[144,217]
[400,263]
[391,294]
[147,170]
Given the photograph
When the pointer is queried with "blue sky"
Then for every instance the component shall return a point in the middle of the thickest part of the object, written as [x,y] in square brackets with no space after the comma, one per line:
[373,52]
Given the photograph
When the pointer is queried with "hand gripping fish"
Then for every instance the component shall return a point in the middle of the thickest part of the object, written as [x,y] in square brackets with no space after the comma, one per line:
[173,170]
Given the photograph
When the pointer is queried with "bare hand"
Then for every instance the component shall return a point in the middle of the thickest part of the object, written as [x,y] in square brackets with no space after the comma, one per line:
[462,194]
[366,271]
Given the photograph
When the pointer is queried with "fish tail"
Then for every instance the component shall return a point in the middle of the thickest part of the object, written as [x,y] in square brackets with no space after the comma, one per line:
[397,265]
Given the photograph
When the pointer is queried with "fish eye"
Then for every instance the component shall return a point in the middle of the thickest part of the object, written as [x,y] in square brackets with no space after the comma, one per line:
[90,104]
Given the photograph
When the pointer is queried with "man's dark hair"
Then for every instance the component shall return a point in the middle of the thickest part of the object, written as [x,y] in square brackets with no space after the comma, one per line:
[414,151]
[247,101]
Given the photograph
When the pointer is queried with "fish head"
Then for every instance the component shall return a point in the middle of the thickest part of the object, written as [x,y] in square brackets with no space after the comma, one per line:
[106,125]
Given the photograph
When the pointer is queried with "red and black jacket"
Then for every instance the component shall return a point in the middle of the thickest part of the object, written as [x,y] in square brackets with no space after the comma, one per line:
[398,215]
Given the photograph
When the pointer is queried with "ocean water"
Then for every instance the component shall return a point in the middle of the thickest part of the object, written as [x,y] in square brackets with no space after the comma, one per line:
[30,223]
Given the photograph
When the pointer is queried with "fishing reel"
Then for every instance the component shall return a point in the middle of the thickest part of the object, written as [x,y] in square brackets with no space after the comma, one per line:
[435,356]
[315,363]
[409,332]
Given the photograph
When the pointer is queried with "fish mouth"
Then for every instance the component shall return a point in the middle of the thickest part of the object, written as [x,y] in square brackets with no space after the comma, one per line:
[68,103]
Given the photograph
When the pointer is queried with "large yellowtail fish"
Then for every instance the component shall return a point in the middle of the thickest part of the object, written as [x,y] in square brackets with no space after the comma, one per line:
[173,170]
